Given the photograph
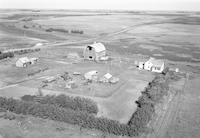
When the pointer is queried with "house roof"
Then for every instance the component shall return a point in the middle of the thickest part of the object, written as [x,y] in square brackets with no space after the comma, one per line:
[156,62]
[98,47]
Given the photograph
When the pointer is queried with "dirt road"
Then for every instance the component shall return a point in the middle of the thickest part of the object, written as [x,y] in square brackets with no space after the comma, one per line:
[105,36]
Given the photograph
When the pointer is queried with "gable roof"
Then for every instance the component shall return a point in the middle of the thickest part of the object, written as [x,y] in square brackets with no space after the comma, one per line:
[98,47]
[156,62]
[107,76]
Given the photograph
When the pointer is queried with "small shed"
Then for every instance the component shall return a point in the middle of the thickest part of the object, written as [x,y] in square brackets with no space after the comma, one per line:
[94,51]
[108,76]
[154,65]
[105,78]
[23,62]
[38,44]
[114,80]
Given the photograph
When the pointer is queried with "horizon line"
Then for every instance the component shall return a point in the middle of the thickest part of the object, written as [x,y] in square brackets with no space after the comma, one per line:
[125,10]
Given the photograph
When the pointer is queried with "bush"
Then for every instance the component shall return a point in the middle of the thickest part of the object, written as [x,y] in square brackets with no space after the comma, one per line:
[26,27]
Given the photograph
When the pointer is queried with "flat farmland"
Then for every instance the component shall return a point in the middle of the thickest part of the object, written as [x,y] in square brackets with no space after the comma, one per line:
[129,37]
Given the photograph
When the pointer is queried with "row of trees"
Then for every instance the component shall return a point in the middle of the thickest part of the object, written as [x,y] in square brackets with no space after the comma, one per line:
[74,103]
[152,95]
[67,115]
[6,55]
[64,30]
[59,108]
[22,51]
[25,51]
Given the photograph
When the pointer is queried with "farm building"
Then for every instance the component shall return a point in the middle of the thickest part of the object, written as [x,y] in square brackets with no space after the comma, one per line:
[141,65]
[94,51]
[154,65]
[91,75]
[24,61]
[105,78]
[38,45]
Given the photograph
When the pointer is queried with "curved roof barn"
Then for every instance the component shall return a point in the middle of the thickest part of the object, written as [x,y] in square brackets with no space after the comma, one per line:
[94,51]
[98,47]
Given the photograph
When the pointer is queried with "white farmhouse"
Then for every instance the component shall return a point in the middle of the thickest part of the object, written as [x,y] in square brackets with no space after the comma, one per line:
[94,51]
[154,65]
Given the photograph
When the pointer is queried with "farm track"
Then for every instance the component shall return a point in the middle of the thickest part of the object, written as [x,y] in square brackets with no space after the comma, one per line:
[105,36]
[169,116]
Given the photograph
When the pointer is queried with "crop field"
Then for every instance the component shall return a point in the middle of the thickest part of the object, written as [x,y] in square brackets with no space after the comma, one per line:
[129,37]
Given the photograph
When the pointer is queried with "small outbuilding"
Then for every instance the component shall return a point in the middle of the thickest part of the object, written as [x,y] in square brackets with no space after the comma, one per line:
[141,65]
[94,51]
[154,65]
[91,75]
[105,78]
[23,62]
[114,80]
[38,44]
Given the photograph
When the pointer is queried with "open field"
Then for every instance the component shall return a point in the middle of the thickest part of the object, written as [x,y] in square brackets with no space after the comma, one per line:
[128,37]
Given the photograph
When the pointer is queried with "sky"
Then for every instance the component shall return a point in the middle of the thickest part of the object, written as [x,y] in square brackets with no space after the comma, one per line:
[178,5]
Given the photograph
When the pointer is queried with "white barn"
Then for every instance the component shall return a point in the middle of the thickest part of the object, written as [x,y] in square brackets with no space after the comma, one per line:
[23,62]
[94,51]
[154,65]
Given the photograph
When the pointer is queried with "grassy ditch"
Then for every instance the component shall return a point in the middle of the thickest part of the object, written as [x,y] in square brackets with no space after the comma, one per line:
[78,112]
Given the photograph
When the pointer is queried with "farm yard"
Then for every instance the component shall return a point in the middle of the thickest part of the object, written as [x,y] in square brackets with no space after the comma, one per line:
[127,101]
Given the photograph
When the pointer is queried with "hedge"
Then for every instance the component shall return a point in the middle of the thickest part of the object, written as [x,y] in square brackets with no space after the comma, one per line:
[56,113]
[74,103]
[152,95]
